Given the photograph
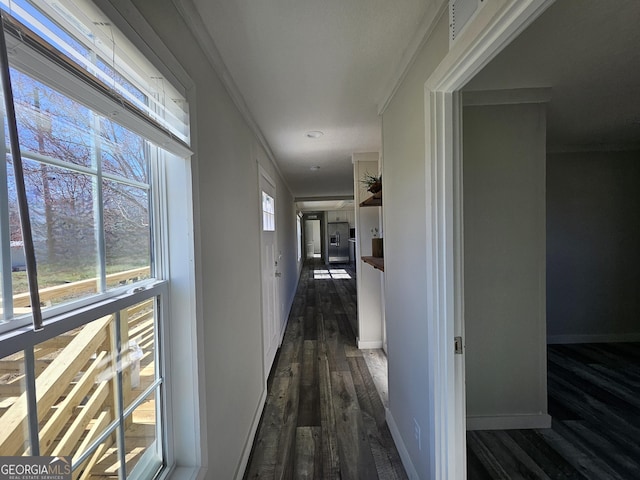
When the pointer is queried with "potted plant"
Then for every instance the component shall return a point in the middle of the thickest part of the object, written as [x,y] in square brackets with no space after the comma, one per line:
[373,183]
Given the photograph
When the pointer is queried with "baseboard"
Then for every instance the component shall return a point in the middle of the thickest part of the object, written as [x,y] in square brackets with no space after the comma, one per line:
[369,345]
[246,452]
[509,422]
[597,338]
[402,449]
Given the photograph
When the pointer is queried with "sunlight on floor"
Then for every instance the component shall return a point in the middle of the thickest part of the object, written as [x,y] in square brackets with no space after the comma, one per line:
[336,274]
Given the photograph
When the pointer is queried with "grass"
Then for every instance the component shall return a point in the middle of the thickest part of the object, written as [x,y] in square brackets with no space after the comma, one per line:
[59,274]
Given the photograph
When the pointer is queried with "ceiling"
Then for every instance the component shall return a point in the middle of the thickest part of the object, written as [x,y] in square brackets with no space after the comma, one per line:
[306,65]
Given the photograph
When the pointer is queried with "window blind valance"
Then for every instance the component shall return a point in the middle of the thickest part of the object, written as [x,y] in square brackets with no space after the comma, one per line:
[108,74]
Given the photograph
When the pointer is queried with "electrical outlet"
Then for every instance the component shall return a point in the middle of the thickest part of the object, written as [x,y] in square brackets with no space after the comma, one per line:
[416,431]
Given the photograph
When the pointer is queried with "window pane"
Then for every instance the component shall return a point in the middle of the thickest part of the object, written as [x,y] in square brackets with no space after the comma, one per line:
[142,439]
[75,387]
[268,213]
[50,123]
[13,406]
[138,336]
[63,202]
[127,233]
[103,463]
[61,208]
[123,152]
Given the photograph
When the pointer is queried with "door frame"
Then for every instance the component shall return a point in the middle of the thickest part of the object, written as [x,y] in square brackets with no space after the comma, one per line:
[321,218]
[263,176]
[496,24]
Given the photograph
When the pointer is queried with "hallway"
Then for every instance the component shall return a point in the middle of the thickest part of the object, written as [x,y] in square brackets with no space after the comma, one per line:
[324,417]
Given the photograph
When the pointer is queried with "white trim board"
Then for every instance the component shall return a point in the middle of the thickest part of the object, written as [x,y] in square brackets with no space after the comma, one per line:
[508,422]
[515,96]
[593,338]
[369,345]
[248,445]
[402,449]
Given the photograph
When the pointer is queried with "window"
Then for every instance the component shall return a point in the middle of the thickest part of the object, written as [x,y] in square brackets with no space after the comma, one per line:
[88,184]
[268,213]
[90,114]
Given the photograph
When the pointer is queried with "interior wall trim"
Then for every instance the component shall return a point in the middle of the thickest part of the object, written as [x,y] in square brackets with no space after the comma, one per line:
[248,444]
[593,338]
[597,147]
[514,96]
[508,422]
[369,345]
[421,36]
[402,449]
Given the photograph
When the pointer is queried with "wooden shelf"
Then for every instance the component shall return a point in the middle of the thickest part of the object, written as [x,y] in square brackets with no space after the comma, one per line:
[375,262]
[374,200]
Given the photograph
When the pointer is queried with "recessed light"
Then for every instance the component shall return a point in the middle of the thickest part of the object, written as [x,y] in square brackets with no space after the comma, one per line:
[314,134]
[315,168]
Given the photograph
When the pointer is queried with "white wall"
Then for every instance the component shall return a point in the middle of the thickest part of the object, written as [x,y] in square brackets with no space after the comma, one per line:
[346,215]
[369,282]
[405,213]
[504,266]
[228,263]
[593,259]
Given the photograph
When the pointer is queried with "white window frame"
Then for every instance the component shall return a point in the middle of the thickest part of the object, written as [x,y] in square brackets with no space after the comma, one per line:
[186,419]
[268,216]
[184,437]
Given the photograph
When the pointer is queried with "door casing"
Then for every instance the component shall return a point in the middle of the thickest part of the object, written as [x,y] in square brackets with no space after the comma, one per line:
[496,25]
[269,265]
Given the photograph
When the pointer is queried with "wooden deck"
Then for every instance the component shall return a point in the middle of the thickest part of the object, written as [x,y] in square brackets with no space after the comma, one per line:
[75,390]
[323,418]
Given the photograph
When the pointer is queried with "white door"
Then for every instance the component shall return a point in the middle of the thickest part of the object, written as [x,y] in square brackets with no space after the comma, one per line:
[270,273]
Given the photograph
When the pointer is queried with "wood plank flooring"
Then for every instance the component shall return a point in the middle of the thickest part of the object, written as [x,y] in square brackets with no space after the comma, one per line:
[594,399]
[324,418]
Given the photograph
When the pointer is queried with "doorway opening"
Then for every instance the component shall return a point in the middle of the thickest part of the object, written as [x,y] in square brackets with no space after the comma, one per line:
[312,235]
[587,203]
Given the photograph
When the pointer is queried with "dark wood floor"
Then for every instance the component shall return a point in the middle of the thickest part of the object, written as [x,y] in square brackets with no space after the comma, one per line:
[323,418]
[594,399]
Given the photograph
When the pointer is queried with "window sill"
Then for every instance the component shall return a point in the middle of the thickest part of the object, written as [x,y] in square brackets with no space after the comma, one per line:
[186,473]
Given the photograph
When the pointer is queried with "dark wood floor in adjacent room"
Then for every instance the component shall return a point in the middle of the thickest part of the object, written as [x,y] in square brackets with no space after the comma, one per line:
[324,417]
[594,399]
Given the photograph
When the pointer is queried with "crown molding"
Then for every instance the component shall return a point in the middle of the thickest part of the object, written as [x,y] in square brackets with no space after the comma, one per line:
[194,21]
[434,12]
[557,149]
[324,199]
[511,96]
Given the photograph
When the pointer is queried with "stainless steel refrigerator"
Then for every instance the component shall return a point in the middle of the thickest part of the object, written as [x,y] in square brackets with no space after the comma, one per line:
[338,242]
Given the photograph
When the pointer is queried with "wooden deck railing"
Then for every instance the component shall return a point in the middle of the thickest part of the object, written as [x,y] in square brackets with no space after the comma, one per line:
[69,290]
[76,390]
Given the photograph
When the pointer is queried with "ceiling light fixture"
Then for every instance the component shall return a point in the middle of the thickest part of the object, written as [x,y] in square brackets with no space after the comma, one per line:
[314,134]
